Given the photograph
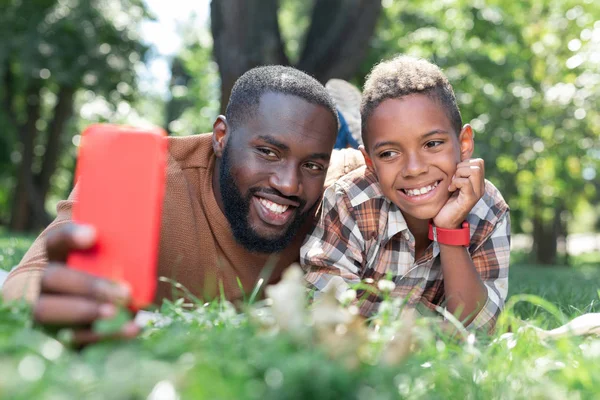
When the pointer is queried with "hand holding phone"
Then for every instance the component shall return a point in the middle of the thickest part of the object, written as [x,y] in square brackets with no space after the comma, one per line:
[120,180]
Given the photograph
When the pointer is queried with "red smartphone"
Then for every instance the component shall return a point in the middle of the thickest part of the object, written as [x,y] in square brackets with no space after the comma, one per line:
[120,180]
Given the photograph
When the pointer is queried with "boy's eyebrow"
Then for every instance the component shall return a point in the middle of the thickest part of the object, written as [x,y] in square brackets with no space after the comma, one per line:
[435,132]
[396,143]
[386,143]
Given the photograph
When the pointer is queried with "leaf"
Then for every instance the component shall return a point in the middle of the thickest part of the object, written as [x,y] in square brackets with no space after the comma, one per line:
[112,325]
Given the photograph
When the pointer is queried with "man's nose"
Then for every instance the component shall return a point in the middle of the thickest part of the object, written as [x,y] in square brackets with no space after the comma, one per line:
[286,179]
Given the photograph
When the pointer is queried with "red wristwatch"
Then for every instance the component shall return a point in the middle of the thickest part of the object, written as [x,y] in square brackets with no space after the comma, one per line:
[452,237]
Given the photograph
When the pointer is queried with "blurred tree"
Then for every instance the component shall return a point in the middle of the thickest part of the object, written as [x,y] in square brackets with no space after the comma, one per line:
[527,78]
[247,33]
[51,50]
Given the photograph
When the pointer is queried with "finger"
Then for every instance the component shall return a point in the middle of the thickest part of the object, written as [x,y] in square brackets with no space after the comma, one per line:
[70,310]
[67,281]
[469,170]
[87,336]
[68,237]
[476,162]
[463,184]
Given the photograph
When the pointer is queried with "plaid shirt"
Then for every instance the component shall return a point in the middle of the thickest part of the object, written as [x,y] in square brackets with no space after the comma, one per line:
[361,234]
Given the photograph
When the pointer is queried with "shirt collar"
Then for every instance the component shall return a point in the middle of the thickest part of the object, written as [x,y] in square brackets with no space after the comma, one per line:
[395,224]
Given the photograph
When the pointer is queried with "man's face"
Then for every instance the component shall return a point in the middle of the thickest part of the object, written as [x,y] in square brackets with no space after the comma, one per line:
[414,151]
[273,168]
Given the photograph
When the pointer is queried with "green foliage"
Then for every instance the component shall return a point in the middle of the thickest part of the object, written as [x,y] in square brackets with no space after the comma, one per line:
[12,249]
[89,48]
[526,78]
[215,353]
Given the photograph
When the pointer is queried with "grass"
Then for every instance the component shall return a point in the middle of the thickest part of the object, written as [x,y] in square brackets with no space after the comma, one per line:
[215,353]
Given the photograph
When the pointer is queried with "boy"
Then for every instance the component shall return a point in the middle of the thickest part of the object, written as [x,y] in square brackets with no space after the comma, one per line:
[421,210]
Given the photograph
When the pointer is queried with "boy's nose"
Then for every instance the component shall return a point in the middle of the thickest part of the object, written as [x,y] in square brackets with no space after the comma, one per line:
[415,165]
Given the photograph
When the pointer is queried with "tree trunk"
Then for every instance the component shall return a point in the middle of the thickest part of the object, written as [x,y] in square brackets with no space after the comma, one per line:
[544,242]
[338,37]
[8,83]
[22,200]
[175,107]
[545,236]
[246,34]
[62,113]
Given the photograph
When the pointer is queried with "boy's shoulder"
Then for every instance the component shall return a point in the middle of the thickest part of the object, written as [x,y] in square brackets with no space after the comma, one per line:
[359,186]
[487,212]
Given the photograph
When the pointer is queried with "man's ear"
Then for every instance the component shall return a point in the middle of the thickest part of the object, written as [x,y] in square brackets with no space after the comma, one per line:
[466,142]
[220,135]
[368,160]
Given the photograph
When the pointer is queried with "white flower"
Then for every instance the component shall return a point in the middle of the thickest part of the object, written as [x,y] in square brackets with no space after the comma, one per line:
[386,286]
[289,299]
[348,296]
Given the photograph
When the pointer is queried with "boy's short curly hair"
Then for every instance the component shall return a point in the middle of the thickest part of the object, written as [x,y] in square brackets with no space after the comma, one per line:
[404,75]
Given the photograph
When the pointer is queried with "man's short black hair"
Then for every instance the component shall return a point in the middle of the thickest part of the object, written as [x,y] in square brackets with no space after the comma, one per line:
[249,88]
[402,76]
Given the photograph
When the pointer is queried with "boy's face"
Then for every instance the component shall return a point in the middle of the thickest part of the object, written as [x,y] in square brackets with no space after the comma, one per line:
[414,151]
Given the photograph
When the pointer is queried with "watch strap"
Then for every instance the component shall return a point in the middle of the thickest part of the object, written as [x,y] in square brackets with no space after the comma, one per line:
[452,237]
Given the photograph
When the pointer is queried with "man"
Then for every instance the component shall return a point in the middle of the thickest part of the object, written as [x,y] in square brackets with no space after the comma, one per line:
[236,201]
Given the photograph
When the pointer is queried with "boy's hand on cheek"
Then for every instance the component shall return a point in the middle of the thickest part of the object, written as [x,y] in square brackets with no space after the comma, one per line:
[467,187]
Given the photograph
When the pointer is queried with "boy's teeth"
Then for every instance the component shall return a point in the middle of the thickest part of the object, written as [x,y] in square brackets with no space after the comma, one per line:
[274,207]
[423,190]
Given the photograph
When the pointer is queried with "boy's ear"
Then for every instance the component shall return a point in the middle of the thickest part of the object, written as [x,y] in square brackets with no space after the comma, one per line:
[220,135]
[466,142]
[368,160]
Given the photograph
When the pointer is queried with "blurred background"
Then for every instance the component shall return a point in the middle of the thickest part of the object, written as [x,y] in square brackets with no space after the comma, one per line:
[526,75]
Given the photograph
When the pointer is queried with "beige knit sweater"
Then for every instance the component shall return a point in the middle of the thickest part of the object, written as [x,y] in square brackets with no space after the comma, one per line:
[197,248]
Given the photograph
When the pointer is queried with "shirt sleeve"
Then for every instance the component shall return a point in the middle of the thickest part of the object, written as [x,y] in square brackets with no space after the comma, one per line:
[24,281]
[491,260]
[343,161]
[332,254]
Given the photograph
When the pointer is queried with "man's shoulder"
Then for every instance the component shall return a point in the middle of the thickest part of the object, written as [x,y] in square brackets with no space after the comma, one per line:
[192,151]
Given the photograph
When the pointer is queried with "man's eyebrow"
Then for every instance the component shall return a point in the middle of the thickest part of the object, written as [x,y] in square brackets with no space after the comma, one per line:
[322,156]
[272,141]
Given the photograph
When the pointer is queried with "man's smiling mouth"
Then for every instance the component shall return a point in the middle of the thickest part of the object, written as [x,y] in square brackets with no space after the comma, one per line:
[272,206]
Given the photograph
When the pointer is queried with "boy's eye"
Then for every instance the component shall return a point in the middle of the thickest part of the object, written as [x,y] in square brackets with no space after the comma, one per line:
[433,143]
[387,154]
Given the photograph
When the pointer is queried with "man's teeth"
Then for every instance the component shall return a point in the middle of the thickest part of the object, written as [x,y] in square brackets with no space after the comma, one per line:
[420,191]
[274,207]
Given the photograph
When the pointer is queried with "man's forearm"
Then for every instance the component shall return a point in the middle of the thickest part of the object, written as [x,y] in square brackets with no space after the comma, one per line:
[463,286]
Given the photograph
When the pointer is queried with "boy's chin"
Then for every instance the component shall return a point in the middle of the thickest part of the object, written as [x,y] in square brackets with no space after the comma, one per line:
[419,213]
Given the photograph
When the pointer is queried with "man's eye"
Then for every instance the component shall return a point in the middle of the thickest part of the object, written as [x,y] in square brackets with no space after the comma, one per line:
[433,143]
[267,152]
[313,166]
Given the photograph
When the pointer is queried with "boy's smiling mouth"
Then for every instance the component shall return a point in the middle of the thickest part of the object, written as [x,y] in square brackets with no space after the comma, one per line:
[420,192]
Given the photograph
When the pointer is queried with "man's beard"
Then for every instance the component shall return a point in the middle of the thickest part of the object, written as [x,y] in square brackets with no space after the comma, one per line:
[236,207]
